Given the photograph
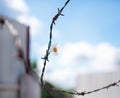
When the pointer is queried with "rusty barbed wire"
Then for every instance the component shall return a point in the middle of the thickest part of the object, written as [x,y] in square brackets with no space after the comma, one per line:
[20,52]
[50,39]
[83,92]
[49,89]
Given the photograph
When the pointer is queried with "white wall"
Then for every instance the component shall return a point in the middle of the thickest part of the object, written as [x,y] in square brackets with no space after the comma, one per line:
[87,82]
[10,66]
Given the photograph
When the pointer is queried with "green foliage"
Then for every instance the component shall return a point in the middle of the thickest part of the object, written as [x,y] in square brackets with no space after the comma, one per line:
[52,94]
[34,68]
[33,65]
[49,94]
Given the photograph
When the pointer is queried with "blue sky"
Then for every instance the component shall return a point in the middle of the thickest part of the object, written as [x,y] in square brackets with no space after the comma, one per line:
[87,36]
[85,18]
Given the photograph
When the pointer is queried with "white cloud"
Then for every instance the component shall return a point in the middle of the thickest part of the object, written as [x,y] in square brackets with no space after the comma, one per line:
[17,5]
[101,56]
[61,76]
[105,56]
[58,76]
[20,10]
[80,57]
[34,23]
[72,50]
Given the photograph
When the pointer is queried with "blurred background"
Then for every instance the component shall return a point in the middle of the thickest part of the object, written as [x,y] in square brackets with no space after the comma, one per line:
[87,37]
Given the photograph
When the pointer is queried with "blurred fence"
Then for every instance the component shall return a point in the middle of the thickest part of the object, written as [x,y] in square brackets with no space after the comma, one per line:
[12,69]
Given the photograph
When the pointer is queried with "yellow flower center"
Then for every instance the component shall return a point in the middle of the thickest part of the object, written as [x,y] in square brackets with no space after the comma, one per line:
[55,49]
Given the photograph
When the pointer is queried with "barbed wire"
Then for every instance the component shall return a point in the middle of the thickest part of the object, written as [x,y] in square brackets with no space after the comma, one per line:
[54,19]
[43,84]
[21,55]
[83,92]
